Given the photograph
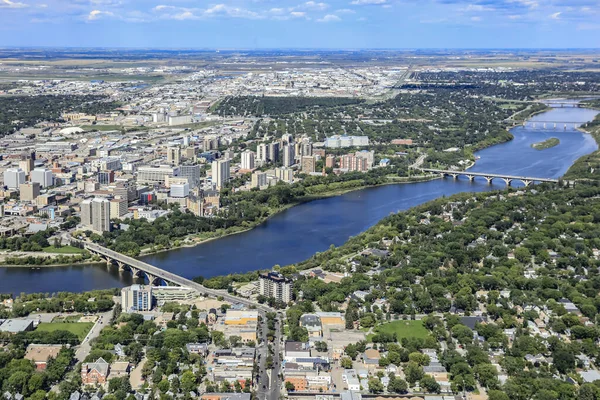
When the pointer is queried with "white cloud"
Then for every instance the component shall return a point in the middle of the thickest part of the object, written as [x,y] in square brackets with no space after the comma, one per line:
[345,11]
[313,5]
[369,2]
[476,19]
[12,4]
[233,12]
[478,8]
[531,4]
[298,14]
[329,18]
[556,15]
[97,14]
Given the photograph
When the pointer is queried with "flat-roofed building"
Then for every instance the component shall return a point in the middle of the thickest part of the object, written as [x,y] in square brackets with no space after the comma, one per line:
[275,285]
[29,191]
[39,354]
[240,317]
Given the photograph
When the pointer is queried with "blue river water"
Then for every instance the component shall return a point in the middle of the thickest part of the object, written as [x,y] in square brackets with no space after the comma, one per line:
[297,233]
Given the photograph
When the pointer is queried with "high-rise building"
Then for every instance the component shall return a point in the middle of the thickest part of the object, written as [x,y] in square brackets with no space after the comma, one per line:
[274,152]
[248,160]
[262,152]
[192,173]
[136,298]
[95,214]
[118,208]
[43,176]
[284,174]
[289,155]
[275,285]
[308,164]
[330,161]
[106,177]
[307,148]
[220,172]
[14,177]
[259,179]
[352,162]
[287,139]
[26,165]
[29,191]
[156,175]
[174,155]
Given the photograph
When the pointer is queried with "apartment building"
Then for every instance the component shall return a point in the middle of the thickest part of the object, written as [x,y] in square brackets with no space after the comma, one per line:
[275,285]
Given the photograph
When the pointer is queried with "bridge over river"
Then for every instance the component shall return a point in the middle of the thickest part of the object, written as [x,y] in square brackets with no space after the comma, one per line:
[155,275]
[527,180]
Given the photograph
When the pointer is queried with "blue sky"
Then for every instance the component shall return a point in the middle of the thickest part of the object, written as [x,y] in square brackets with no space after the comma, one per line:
[301,24]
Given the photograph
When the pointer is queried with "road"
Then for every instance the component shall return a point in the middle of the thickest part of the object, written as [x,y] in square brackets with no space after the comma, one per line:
[269,383]
[85,347]
[275,386]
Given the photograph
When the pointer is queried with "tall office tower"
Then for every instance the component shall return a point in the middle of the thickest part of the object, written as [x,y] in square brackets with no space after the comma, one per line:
[274,152]
[26,165]
[118,208]
[276,286]
[286,139]
[308,164]
[298,150]
[220,172]
[259,179]
[95,214]
[192,173]
[262,152]
[248,160]
[288,155]
[136,298]
[307,149]
[43,176]
[174,155]
[29,191]
[14,177]
[106,177]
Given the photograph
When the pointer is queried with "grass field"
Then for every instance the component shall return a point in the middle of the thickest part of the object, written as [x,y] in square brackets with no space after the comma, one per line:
[403,329]
[63,250]
[80,329]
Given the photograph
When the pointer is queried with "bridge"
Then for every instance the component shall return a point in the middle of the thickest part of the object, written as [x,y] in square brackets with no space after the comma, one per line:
[526,180]
[155,275]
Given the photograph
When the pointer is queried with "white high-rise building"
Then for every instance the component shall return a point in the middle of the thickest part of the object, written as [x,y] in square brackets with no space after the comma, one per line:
[14,177]
[259,179]
[284,174]
[136,298]
[289,155]
[247,160]
[262,152]
[220,172]
[43,176]
[95,214]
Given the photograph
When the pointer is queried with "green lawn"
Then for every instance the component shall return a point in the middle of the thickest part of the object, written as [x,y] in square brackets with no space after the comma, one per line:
[403,329]
[63,250]
[81,329]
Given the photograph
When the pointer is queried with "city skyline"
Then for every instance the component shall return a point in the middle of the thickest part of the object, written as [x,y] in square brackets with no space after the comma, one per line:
[344,24]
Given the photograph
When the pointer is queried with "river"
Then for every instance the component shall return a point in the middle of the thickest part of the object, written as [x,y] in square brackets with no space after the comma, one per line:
[299,232]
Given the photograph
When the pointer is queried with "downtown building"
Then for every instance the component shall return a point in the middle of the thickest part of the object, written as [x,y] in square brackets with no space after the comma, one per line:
[43,176]
[136,298]
[275,285]
[95,214]
[220,172]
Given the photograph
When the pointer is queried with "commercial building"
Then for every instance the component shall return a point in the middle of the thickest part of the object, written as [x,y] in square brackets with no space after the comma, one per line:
[337,141]
[136,298]
[275,285]
[247,160]
[309,164]
[180,120]
[220,172]
[192,173]
[106,177]
[274,152]
[40,354]
[118,208]
[29,191]
[180,190]
[174,155]
[43,176]
[95,214]
[156,175]
[259,179]
[13,178]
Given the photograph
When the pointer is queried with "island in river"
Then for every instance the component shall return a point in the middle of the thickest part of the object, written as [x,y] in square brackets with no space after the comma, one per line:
[546,144]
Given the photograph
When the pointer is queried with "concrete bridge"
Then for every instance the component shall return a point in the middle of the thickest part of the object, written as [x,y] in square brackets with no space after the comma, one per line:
[155,275]
[527,180]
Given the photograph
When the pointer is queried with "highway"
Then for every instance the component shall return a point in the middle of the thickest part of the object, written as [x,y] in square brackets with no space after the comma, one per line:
[171,277]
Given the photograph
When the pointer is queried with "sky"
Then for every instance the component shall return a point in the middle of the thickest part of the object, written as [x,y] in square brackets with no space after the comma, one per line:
[326,24]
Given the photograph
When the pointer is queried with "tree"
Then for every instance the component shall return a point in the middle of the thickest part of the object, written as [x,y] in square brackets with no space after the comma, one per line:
[589,391]
[497,395]
[413,372]
[487,375]
[428,382]
[289,386]
[375,385]
[346,363]
[564,361]
[188,382]
[397,385]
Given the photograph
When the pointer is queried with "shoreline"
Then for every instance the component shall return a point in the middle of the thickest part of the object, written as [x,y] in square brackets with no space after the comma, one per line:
[304,200]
